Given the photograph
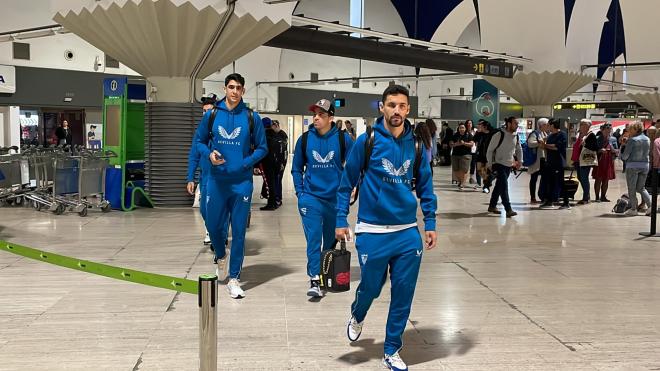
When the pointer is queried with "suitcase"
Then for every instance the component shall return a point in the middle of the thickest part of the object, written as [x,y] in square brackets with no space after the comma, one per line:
[336,269]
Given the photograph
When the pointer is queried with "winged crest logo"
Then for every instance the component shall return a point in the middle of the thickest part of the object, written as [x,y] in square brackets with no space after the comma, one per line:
[234,134]
[323,160]
[392,170]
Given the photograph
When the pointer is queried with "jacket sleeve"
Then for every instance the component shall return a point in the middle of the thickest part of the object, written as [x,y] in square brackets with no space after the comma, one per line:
[298,168]
[628,150]
[591,142]
[201,139]
[427,198]
[494,140]
[259,141]
[533,140]
[349,143]
[193,162]
[349,179]
[519,155]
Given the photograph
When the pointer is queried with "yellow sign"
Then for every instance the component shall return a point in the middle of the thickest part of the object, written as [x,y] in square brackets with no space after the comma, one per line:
[557,106]
[584,106]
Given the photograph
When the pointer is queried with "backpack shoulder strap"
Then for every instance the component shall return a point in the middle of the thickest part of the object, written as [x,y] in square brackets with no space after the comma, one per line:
[368,148]
[303,146]
[250,122]
[214,111]
[418,161]
[342,147]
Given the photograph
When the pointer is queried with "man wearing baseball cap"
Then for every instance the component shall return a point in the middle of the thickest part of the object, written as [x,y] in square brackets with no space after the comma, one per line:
[317,168]
[195,161]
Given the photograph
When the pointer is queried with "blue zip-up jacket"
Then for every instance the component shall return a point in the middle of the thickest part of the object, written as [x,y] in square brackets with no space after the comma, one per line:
[385,193]
[321,174]
[195,160]
[230,137]
[637,152]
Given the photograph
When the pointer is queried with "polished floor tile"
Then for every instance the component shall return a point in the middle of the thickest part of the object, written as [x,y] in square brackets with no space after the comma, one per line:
[547,290]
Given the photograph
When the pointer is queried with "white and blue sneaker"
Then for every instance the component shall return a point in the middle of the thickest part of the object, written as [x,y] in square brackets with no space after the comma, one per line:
[394,362]
[354,329]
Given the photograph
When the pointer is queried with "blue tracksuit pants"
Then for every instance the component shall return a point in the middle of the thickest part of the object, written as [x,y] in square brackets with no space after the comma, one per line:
[319,220]
[400,253]
[225,203]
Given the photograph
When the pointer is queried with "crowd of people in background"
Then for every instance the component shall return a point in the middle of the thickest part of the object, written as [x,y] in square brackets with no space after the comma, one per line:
[486,154]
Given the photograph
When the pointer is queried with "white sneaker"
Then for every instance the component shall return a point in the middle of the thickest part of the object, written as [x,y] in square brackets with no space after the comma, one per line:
[207,239]
[315,288]
[234,289]
[649,211]
[222,270]
[631,212]
[394,362]
[354,329]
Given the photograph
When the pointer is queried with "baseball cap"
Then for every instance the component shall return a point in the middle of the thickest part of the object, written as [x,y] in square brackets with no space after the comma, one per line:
[325,105]
[267,122]
[210,99]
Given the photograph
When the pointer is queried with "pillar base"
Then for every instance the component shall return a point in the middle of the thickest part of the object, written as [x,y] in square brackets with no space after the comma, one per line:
[169,129]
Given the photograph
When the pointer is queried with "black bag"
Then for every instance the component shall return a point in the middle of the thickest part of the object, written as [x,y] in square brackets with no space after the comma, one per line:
[336,269]
[570,186]
[621,205]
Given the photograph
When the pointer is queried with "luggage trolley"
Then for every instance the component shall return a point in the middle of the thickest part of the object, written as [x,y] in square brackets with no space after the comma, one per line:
[10,177]
[65,182]
[91,179]
[40,178]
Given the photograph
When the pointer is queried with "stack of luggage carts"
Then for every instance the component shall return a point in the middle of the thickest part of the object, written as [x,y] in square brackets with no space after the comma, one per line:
[57,179]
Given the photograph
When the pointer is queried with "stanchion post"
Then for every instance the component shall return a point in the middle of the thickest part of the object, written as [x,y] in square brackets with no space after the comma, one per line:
[208,322]
[654,204]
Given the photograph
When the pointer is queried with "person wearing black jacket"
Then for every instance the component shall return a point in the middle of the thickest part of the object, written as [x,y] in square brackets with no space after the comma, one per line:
[482,139]
[63,133]
[283,155]
[271,164]
[586,139]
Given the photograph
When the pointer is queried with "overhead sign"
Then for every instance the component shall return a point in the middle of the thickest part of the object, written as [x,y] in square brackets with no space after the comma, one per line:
[485,102]
[7,79]
[114,86]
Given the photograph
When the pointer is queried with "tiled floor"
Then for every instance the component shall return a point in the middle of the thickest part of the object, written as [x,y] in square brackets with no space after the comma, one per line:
[548,290]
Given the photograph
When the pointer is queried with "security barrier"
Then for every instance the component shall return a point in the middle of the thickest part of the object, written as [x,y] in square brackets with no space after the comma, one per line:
[205,288]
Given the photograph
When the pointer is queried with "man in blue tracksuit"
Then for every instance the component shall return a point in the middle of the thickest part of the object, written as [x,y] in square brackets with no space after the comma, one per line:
[233,146]
[195,160]
[316,174]
[387,235]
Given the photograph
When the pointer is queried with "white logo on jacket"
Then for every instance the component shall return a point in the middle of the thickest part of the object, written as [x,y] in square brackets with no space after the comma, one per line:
[392,170]
[323,160]
[234,134]
[364,258]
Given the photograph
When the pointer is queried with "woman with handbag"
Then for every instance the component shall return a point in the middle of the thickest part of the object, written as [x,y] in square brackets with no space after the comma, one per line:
[604,171]
[585,157]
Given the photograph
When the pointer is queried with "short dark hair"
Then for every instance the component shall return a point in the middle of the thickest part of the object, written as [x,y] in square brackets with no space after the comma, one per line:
[555,123]
[395,90]
[236,77]
[509,119]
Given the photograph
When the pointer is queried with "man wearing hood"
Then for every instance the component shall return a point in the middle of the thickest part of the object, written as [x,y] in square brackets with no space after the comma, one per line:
[316,173]
[234,142]
[386,229]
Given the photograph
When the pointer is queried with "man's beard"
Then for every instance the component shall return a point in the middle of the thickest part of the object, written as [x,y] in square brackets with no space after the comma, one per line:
[390,123]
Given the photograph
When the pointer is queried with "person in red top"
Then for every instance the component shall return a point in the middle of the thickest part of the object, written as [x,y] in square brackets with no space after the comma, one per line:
[604,172]
[588,140]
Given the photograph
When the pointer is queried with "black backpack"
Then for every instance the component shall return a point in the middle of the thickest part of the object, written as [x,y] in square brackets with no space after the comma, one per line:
[214,111]
[368,148]
[342,146]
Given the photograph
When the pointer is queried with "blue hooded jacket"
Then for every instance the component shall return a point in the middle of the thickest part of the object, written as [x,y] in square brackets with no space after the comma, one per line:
[320,177]
[386,196]
[231,137]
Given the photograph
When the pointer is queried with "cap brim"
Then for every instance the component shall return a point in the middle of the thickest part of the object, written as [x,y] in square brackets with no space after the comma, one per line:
[314,107]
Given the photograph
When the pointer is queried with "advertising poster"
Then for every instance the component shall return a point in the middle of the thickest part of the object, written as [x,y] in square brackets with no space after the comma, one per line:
[94,136]
[485,102]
